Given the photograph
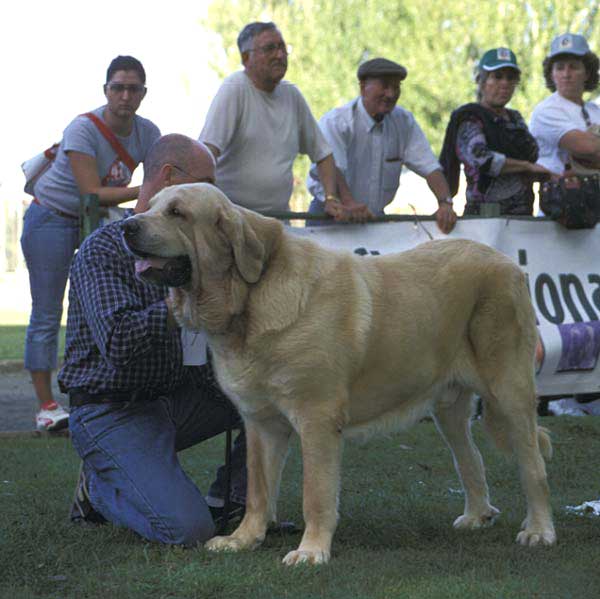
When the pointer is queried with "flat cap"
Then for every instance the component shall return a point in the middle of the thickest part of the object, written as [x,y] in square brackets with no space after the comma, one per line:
[379,67]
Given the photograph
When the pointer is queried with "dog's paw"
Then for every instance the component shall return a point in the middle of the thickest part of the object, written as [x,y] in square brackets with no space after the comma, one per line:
[224,544]
[532,536]
[474,521]
[294,558]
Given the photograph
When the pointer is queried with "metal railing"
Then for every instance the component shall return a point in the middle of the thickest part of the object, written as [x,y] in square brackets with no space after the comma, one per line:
[91,215]
[491,209]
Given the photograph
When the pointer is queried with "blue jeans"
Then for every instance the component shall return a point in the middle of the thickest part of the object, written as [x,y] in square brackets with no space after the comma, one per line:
[48,242]
[134,477]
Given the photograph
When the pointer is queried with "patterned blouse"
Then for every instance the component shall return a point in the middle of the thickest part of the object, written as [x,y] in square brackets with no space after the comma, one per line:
[512,190]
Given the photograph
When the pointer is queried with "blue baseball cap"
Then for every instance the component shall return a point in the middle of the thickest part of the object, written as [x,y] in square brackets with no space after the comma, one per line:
[569,43]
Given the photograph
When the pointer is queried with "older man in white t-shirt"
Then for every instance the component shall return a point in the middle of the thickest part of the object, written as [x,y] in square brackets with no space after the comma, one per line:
[256,126]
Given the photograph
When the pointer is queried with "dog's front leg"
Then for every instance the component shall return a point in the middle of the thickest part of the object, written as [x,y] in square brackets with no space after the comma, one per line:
[267,444]
[321,440]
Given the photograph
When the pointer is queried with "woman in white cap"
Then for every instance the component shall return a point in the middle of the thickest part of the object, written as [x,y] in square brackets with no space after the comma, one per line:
[492,142]
[561,123]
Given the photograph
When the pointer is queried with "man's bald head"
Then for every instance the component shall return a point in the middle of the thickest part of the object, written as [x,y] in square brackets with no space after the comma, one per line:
[172,160]
[178,150]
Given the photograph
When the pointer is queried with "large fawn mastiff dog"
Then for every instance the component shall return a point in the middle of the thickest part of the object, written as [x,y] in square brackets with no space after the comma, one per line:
[330,345]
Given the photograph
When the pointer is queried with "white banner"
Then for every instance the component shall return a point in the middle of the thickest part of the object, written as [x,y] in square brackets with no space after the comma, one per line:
[562,269]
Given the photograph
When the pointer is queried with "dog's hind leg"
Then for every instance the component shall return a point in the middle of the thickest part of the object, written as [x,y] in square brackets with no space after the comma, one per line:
[321,438]
[267,445]
[453,420]
[503,336]
[511,415]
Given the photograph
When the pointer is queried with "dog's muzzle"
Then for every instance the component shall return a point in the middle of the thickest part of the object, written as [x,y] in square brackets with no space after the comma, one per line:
[177,272]
[172,272]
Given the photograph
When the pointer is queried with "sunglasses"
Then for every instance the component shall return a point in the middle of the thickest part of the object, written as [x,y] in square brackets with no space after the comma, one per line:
[132,88]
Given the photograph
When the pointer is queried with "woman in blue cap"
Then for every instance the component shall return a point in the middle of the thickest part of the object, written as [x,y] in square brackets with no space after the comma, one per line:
[563,123]
[493,142]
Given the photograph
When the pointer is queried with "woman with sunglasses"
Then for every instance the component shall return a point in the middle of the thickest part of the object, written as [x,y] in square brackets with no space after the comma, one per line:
[564,123]
[97,155]
[492,142]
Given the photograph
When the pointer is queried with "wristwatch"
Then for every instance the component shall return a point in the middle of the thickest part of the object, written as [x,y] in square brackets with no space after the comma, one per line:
[448,201]
[332,198]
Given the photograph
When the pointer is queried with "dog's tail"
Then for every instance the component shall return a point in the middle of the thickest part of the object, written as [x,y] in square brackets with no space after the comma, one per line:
[497,427]
[544,442]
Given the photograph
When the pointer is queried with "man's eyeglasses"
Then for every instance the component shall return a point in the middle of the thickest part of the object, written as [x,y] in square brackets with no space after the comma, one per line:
[272,49]
[193,177]
[132,88]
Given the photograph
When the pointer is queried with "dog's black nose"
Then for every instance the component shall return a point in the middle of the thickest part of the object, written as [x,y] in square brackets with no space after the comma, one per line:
[131,227]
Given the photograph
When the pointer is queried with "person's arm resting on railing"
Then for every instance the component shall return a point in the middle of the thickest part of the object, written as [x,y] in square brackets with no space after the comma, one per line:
[445,215]
[86,176]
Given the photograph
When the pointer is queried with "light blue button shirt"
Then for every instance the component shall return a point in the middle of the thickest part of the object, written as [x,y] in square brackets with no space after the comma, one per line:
[371,154]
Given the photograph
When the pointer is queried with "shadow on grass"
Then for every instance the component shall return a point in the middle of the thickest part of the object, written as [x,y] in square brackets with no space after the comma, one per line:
[395,537]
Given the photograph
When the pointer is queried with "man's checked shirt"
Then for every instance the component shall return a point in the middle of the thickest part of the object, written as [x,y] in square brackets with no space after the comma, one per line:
[117,335]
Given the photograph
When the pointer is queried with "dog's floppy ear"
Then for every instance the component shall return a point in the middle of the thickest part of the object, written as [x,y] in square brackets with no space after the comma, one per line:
[248,249]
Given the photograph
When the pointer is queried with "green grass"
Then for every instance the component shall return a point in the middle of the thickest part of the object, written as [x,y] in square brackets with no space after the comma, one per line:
[12,341]
[394,538]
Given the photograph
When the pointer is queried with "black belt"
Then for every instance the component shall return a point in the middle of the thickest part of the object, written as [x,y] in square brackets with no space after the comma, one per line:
[78,398]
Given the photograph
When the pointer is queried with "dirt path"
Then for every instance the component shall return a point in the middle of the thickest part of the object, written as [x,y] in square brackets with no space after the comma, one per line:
[17,399]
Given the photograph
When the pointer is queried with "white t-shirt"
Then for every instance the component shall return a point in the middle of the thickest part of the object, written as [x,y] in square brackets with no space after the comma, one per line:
[551,119]
[371,154]
[259,135]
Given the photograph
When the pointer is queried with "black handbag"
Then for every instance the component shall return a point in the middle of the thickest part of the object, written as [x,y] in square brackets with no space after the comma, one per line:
[574,202]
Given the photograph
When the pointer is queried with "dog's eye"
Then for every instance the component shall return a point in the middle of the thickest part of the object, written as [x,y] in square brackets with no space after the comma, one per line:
[174,211]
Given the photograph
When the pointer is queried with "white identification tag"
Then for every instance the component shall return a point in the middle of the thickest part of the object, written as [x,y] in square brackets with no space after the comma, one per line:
[194,347]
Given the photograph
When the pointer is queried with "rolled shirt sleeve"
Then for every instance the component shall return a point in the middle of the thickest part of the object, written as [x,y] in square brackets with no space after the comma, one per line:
[419,156]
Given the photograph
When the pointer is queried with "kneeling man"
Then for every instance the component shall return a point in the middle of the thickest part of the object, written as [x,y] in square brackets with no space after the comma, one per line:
[134,404]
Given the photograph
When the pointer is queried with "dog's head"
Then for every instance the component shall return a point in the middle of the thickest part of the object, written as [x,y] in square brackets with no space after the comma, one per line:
[195,239]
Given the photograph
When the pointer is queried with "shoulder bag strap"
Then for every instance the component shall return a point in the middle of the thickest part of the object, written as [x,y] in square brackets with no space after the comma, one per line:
[112,140]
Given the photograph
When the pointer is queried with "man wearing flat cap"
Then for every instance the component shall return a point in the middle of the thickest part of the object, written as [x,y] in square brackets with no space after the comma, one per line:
[372,139]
